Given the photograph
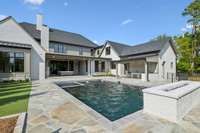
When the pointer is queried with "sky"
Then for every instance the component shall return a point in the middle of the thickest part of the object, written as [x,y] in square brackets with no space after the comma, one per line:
[126,21]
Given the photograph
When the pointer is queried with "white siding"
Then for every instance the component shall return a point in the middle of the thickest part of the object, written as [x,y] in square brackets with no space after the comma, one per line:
[96,52]
[113,54]
[10,31]
[168,56]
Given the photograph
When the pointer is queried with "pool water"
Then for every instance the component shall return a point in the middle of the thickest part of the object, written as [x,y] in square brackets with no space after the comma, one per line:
[112,100]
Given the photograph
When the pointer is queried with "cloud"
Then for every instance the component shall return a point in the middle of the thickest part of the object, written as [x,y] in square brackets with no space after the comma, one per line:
[66,3]
[34,2]
[95,41]
[125,22]
[186,28]
[2,17]
[183,29]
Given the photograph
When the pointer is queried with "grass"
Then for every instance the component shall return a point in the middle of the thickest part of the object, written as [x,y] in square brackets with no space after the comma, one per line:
[14,97]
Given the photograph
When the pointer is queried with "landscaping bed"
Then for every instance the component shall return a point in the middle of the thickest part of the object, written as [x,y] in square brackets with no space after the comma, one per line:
[7,125]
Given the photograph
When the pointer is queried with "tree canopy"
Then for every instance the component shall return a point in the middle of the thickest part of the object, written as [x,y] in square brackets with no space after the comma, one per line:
[188,46]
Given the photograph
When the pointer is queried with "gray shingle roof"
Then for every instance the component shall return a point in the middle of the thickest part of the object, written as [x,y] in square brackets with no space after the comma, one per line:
[56,35]
[119,47]
[148,47]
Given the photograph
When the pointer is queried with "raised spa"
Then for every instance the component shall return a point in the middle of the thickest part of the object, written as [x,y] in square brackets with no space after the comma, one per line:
[172,101]
[112,100]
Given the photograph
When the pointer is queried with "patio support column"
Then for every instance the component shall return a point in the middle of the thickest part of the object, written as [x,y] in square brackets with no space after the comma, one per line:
[100,70]
[146,71]
[117,70]
[92,67]
[47,68]
[89,67]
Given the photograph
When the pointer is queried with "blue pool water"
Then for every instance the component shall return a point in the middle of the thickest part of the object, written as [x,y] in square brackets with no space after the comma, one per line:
[113,100]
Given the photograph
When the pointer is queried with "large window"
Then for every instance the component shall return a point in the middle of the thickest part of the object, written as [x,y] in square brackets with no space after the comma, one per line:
[98,52]
[103,66]
[57,47]
[11,62]
[113,65]
[96,66]
[108,51]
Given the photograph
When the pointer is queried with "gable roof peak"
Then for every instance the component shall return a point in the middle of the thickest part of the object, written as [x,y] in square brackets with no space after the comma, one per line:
[5,19]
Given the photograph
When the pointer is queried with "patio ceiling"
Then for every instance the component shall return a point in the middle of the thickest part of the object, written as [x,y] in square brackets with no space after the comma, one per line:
[62,56]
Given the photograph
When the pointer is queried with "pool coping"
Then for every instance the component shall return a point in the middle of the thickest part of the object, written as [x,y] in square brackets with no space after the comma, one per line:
[105,122]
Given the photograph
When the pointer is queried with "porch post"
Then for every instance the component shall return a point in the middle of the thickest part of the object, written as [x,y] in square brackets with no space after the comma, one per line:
[146,71]
[89,67]
[100,70]
[117,69]
[92,67]
[47,69]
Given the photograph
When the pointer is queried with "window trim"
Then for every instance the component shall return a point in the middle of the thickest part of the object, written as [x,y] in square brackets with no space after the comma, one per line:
[108,52]
[113,64]
[12,56]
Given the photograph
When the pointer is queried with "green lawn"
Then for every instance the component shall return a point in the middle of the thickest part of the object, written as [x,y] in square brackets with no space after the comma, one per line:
[14,97]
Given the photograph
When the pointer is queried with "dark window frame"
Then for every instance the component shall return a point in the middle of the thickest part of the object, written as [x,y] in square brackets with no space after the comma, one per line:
[12,62]
[113,65]
[57,47]
[108,51]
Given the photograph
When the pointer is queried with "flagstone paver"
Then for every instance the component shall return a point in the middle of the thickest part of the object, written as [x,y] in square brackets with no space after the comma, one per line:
[51,110]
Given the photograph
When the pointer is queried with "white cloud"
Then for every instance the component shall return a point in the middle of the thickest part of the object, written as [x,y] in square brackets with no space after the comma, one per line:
[183,29]
[34,2]
[187,28]
[125,22]
[66,3]
[95,41]
[2,17]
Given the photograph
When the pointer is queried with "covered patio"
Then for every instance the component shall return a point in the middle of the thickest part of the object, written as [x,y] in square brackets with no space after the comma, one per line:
[58,64]
[145,67]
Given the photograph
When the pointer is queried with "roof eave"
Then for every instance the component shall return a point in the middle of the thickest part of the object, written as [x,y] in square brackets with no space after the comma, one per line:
[157,51]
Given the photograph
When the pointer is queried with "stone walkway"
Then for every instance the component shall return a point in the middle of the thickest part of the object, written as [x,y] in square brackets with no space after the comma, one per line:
[51,110]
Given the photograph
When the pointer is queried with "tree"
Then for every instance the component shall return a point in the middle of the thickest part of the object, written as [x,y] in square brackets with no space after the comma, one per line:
[193,11]
[184,49]
[161,37]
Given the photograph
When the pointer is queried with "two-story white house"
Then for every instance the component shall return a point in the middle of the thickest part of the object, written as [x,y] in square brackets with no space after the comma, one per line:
[36,51]
[154,60]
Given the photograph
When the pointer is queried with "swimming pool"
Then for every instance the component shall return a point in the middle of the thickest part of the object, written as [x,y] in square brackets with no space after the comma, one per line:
[112,100]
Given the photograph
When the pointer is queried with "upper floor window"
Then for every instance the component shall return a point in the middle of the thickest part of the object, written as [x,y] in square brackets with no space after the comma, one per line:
[98,52]
[57,48]
[92,52]
[81,51]
[108,51]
